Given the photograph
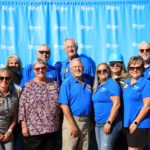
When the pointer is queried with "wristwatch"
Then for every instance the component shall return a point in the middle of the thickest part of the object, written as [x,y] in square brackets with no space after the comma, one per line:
[136,123]
[108,122]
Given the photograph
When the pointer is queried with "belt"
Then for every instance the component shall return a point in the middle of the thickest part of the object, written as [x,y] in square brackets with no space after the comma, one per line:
[82,119]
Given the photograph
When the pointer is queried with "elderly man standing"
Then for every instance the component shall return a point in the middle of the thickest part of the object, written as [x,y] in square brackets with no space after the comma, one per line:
[75,101]
[44,54]
[71,48]
[144,52]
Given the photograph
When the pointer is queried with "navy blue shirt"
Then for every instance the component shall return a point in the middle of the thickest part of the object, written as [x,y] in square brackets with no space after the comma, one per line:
[77,96]
[89,67]
[28,74]
[133,96]
[101,100]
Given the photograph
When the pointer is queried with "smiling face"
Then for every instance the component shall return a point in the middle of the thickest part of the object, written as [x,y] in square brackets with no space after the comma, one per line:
[136,66]
[102,73]
[144,51]
[135,70]
[13,64]
[5,79]
[40,71]
[43,53]
[116,67]
[76,68]
[70,48]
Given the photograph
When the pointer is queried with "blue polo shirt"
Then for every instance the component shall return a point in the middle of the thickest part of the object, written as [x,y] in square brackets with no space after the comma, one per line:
[101,100]
[28,74]
[89,67]
[133,96]
[77,96]
[147,72]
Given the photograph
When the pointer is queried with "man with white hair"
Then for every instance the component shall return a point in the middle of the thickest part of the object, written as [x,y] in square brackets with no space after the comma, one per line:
[75,100]
[44,54]
[144,52]
[71,48]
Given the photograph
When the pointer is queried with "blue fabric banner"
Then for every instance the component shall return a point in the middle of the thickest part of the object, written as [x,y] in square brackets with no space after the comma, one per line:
[99,27]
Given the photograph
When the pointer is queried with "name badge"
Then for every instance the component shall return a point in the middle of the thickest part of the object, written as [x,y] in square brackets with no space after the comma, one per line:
[125,86]
[66,70]
[88,86]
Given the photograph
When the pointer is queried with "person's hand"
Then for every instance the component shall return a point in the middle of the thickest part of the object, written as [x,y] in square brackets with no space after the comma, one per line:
[132,128]
[74,131]
[1,137]
[107,128]
[25,131]
[7,136]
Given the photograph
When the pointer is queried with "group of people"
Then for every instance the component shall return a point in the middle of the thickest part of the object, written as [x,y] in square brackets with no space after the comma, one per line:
[42,106]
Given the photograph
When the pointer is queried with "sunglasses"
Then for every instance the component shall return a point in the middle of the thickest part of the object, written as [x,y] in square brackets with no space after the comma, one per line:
[102,71]
[40,68]
[112,64]
[44,52]
[146,50]
[135,68]
[5,78]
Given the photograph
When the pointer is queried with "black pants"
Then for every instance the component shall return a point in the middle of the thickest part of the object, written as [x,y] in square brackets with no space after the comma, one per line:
[41,142]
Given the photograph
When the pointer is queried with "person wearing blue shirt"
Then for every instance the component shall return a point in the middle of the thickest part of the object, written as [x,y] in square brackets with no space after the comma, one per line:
[106,103]
[136,98]
[44,54]
[144,52]
[71,48]
[75,101]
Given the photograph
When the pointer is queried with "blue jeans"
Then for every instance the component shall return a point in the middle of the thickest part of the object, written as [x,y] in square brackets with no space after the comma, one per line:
[106,142]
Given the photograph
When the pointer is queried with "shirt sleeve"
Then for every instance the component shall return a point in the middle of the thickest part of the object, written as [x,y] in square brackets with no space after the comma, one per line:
[22,104]
[64,93]
[114,89]
[146,90]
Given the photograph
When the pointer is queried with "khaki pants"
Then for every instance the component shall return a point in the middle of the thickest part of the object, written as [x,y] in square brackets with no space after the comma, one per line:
[82,141]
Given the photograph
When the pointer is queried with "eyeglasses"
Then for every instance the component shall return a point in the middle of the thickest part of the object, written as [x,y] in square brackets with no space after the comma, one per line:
[135,68]
[40,68]
[5,78]
[44,52]
[112,64]
[102,71]
[146,50]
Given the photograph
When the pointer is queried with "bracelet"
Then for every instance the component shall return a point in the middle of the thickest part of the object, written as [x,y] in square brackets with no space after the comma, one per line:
[109,122]
[136,123]
[10,130]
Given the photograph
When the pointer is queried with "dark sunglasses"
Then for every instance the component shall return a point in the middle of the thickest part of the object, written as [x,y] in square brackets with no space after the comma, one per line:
[102,71]
[5,78]
[146,50]
[40,68]
[44,52]
[135,68]
[112,64]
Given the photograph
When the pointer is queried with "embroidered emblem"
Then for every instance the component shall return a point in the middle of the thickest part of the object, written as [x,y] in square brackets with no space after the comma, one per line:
[1,101]
[66,70]
[125,86]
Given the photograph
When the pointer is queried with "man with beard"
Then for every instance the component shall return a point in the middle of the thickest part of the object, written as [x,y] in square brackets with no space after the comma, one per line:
[71,48]
[144,52]
[75,101]
[44,54]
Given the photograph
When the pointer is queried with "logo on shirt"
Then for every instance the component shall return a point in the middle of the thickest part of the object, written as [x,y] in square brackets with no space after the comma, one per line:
[125,86]
[1,101]
[103,89]
[135,87]
[66,70]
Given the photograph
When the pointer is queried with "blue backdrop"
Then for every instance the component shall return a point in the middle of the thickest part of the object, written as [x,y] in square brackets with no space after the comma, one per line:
[99,27]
